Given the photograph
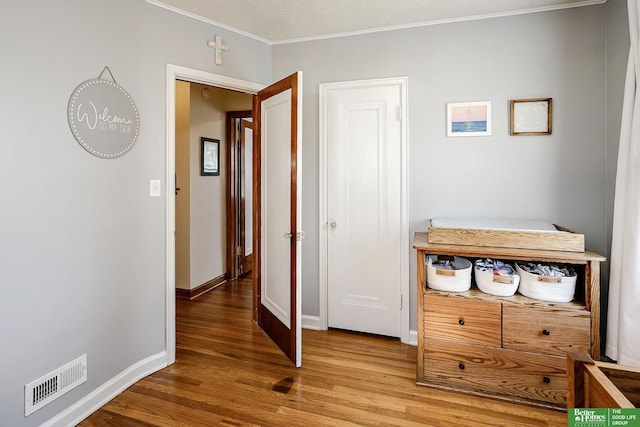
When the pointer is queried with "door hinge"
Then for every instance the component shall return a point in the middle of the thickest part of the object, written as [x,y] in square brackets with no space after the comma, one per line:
[400,302]
[299,236]
[239,250]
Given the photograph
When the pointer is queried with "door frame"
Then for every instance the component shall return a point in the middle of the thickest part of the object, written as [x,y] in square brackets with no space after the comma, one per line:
[233,197]
[402,82]
[177,72]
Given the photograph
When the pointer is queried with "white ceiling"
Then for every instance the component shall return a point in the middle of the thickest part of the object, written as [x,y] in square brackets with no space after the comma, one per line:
[278,21]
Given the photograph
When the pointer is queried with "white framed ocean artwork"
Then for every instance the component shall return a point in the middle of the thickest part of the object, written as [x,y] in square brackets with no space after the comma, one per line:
[469,118]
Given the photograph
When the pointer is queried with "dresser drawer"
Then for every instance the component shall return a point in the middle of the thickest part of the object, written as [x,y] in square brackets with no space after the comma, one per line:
[496,371]
[462,320]
[548,330]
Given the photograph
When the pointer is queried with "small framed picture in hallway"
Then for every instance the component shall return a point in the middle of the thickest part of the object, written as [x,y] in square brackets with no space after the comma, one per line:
[209,156]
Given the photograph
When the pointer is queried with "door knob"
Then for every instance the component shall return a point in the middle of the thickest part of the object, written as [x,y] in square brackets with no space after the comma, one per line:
[333,224]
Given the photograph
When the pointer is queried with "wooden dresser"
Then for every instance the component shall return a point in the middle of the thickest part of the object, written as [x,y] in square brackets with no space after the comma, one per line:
[511,348]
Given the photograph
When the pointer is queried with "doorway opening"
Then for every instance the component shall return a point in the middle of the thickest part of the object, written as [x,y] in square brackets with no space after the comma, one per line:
[210,202]
[176,73]
[278,118]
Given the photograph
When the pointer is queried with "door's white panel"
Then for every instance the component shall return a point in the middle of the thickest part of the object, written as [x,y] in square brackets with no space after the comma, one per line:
[276,200]
[363,301]
[364,199]
[248,191]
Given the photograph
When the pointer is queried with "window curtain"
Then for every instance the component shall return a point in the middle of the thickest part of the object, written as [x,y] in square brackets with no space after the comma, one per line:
[623,319]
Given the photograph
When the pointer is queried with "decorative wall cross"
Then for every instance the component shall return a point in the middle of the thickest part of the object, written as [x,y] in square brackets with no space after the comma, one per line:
[216,44]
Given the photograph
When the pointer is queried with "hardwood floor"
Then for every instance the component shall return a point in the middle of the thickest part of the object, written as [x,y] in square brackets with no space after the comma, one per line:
[227,372]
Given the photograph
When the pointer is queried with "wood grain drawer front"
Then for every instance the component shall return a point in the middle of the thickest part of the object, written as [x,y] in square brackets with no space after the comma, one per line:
[463,320]
[546,330]
[496,371]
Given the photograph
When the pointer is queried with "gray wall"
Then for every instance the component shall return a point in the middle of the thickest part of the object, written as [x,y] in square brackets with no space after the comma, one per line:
[560,178]
[81,243]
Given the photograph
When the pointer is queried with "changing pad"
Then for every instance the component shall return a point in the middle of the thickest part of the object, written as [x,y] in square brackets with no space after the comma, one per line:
[504,233]
[494,224]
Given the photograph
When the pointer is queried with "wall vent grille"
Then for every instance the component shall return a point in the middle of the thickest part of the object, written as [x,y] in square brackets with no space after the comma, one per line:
[54,384]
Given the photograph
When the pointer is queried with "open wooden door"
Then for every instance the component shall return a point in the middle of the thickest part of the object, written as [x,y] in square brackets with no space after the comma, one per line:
[277,112]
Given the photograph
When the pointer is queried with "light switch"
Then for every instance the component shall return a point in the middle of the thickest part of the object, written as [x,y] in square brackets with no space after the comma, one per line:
[155,190]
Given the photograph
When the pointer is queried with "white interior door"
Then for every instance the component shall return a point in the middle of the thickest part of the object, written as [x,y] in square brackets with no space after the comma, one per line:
[365,205]
[277,213]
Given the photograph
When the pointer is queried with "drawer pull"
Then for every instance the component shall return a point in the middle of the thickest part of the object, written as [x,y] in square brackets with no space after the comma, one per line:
[461,365]
[461,322]
[546,380]
[546,332]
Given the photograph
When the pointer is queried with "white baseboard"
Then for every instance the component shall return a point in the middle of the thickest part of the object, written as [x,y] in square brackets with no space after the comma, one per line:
[413,337]
[311,322]
[107,391]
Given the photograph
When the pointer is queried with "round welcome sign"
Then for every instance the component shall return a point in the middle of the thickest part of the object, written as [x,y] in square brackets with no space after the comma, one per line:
[103,118]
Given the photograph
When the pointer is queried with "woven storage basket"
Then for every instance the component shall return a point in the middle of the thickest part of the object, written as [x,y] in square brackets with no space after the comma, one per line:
[494,284]
[457,279]
[547,288]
